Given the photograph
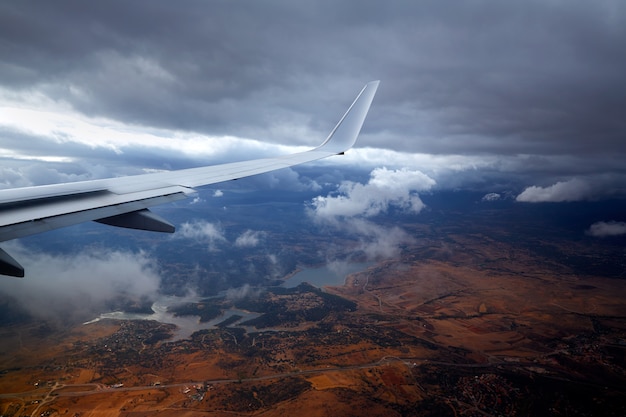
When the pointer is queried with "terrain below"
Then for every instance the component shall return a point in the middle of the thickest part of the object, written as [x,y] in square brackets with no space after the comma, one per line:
[477,328]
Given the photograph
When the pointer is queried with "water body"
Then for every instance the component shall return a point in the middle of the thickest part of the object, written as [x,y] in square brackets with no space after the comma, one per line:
[186,325]
[330,274]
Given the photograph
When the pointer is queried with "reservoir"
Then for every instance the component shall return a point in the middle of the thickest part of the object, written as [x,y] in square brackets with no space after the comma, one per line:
[186,325]
[332,274]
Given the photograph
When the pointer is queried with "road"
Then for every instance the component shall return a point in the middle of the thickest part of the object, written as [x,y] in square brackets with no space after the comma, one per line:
[43,396]
[64,390]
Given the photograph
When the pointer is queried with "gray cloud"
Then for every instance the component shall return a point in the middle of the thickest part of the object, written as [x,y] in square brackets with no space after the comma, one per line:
[64,288]
[535,85]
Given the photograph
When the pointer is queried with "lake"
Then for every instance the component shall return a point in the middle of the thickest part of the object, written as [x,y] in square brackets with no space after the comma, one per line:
[334,273]
[186,325]
[331,274]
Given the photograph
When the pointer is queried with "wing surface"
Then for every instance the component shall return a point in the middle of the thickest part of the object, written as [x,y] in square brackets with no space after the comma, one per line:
[125,201]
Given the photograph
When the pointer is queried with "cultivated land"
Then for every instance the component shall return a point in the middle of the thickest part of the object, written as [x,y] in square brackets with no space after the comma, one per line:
[476,323]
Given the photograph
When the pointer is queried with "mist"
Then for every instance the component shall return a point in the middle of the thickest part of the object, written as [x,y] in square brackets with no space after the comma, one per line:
[71,288]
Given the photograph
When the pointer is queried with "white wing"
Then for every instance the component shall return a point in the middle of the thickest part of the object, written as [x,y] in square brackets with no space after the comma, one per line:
[124,201]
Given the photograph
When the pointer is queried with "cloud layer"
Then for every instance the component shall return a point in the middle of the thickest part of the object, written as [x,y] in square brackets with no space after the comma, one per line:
[530,91]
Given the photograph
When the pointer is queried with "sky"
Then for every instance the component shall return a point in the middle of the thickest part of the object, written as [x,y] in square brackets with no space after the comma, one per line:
[520,100]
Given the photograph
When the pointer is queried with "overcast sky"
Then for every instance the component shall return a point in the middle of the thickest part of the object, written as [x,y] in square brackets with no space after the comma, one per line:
[525,94]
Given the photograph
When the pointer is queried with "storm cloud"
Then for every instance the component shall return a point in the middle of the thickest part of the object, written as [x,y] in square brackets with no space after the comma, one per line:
[177,85]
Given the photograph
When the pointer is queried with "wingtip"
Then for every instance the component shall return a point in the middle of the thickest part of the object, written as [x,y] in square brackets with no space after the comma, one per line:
[345,133]
[374,84]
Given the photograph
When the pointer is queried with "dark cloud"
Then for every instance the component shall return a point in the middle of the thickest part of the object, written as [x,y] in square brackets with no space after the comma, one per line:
[537,84]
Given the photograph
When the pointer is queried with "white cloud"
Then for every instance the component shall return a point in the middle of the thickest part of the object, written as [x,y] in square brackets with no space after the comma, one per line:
[59,125]
[350,209]
[218,193]
[611,228]
[201,231]
[572,190]
[77,286]
[385,188]
[248,239]
[491,197]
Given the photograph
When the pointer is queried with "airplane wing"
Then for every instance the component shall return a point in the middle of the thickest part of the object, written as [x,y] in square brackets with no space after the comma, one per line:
[124,201]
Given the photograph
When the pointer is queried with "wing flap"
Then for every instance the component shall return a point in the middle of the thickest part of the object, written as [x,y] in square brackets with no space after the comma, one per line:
[142,219]
[48,223]
[41,209]
[9,266]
